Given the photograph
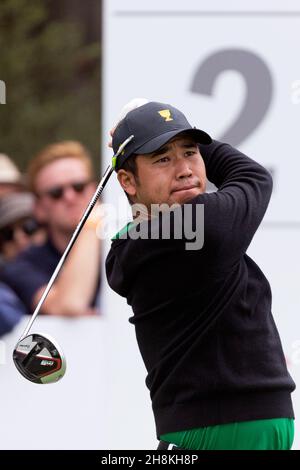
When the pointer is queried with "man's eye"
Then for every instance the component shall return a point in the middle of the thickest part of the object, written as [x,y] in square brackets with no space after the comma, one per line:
[162,160]
[189,153]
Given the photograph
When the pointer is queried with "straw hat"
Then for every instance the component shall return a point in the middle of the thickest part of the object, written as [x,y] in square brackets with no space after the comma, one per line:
[9,173]
[14,207]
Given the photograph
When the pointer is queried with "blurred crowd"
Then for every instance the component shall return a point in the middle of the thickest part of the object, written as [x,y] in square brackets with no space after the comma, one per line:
[39,212]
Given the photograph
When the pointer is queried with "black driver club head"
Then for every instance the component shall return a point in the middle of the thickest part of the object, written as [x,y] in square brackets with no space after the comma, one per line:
[39,359]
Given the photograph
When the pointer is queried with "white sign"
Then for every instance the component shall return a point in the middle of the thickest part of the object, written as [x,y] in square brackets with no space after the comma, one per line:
[232,69]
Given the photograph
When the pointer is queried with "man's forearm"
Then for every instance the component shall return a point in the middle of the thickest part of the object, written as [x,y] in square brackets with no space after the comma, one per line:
[225,164]
[75,287]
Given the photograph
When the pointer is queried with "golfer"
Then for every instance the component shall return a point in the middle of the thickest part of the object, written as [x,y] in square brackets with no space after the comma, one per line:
[202,312]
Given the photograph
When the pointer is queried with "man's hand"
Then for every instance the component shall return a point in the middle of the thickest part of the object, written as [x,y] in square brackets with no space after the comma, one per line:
[132,104]
[111,132]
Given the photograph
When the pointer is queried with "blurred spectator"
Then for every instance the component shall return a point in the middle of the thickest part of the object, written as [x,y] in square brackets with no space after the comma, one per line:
[18,227]
[11,309]
[61,178]
[10,177]
[11,242]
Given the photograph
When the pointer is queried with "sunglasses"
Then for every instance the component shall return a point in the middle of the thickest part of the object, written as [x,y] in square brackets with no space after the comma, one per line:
[29,226]
[57,192]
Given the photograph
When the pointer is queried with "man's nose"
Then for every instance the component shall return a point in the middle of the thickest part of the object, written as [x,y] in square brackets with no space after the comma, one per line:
[69,193]
[183,169]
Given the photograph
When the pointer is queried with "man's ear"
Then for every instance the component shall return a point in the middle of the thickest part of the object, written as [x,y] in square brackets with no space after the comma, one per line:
[127,181]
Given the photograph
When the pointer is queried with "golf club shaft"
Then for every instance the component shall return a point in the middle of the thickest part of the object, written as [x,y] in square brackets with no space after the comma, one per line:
[74,237]
[101,185]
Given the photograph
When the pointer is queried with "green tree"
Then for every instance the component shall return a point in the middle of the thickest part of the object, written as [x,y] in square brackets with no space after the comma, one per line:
[52,81]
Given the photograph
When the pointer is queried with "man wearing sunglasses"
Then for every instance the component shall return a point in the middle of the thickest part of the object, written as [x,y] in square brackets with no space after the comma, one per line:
[18,227]
[61,178]
[18,230]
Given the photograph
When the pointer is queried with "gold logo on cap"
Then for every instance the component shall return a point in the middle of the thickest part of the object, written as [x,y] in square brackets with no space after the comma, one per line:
[166,114]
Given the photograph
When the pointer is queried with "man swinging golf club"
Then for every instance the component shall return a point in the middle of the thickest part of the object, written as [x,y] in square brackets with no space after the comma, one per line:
[217,375]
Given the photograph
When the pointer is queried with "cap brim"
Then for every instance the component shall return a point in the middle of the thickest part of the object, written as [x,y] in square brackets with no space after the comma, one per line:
[200,137]
[15,207]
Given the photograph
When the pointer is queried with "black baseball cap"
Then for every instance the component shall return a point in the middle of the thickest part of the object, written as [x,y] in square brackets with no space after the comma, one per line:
[153,124]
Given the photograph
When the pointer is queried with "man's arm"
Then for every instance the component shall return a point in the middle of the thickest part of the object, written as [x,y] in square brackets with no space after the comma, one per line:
[75,286]
[234,212]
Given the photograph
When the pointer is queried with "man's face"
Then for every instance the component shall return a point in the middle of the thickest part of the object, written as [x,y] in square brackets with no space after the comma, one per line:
[173,174]
[64,188]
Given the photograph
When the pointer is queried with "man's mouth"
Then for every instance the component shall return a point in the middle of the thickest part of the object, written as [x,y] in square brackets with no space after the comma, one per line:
[185,188]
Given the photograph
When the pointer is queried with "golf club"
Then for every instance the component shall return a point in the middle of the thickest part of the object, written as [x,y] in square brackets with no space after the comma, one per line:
[38,357]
